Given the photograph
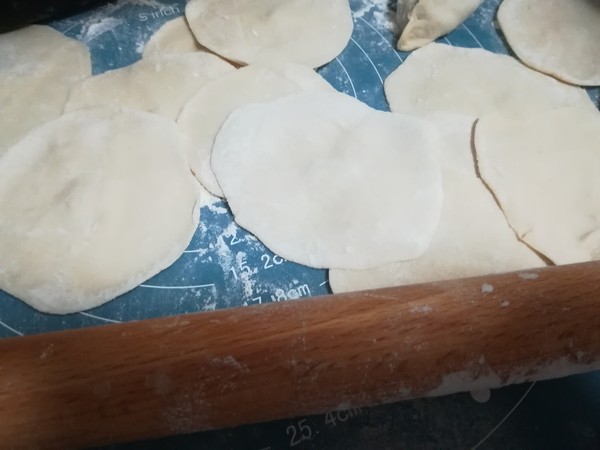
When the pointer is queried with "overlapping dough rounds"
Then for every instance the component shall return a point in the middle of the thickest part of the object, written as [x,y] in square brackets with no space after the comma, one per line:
[309,32]
[473,237]
[174,36]
[558,37]
[38,67]
[160,84]
[93,203]
[543,169]
[440,77]
[423,21]
[326,181]
[202,116]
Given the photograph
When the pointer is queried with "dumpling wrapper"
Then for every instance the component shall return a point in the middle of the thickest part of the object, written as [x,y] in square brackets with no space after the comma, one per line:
[93,204]
[543,169]
[423,21]
[472,238]
[308,32]
[440,77]
[202,116]
[326,181]
[174,36]
[159,84]
[38,67]
[557,37]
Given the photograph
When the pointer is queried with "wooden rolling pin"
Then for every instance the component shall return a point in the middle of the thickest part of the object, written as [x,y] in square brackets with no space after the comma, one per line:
[196,372]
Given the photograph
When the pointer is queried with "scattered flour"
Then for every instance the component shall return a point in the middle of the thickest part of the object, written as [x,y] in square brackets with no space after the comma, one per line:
[94,28]
[486,288]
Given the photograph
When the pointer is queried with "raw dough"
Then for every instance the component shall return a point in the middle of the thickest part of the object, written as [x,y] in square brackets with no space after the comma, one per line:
[423,21]
[439,77]
[323,180]
[558,37]
[473,237]
[160,84]
[309,32]
[38,67]
[202,117]
[174,36]
[544,171]
[93,203]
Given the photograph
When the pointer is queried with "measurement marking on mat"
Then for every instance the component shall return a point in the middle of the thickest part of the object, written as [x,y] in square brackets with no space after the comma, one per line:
[324,283]
[369,58]
[8,327]
[472,35]
[197,286]
[103,319]
[513,409]
[383,38]
[348,76]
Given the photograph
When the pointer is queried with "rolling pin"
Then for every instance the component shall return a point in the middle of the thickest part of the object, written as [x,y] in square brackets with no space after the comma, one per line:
[195,372]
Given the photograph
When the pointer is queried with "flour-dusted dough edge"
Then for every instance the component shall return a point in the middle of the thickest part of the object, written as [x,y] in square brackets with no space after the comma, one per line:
[543,169]
[38,67]
[68,283]
[308,32]
[203,115]
[326,197]
[472,238]
[557,37]
[160,83]
[174,36]
[423,21]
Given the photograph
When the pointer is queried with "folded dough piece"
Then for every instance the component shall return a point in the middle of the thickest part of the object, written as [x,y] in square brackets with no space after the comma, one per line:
[38,67]
[440,77]
[543,169]
[326,181]
[472,238]
[202,116]
[423,21]
[309,32]
[557,37]
[159,84]
[93,204]
[174,36]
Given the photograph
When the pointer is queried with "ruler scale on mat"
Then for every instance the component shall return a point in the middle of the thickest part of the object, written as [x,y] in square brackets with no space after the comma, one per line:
[224,266]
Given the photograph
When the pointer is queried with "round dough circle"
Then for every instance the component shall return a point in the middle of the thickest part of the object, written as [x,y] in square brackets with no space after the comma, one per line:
[94,203]
[202,117]
[309,32]
[159,84]
[323,180]
[557,37]
[543,169]
[472,238]
[38,67]
[440,77]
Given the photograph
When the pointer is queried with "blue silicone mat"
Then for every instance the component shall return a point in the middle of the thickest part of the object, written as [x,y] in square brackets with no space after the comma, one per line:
[225,266]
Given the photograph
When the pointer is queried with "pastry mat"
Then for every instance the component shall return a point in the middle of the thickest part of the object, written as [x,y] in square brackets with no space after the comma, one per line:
[224,266]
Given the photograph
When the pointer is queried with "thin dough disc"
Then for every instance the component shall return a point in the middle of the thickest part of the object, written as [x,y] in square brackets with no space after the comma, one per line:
[427,20]
[558,37]
[93,203]
[174,36]
[309,32]
[544,170]
[38,67]
[202,117]
[473,237]
[440,77]
[160,84]
[326,181]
